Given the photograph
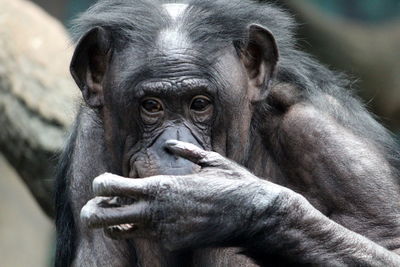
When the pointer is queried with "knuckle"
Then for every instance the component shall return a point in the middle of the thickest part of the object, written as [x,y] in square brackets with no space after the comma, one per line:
[230,173]
[86,213]
[215,158]
[99,184]
[219,157]
[163,185]
[102,183]
[212,156]
[191,147]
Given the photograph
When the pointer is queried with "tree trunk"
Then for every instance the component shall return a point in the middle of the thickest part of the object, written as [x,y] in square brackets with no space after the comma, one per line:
[36,94]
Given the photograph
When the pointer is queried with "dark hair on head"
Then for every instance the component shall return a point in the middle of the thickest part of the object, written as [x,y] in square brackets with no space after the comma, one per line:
[214,24]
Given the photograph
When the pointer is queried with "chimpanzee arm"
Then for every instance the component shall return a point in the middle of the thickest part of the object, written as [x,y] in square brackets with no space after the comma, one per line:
[346,174]
[301,235]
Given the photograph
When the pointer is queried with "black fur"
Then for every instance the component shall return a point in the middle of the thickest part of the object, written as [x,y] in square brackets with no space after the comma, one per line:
[65,225]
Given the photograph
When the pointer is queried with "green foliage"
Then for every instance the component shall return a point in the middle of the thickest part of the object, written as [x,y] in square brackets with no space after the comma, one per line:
[362,10]
[75,7]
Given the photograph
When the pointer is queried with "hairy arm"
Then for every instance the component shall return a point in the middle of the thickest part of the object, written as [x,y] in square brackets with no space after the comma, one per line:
[298,234]
[345,175]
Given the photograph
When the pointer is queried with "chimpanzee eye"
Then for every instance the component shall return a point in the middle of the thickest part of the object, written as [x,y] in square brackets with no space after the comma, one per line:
[152,105]
[200,103]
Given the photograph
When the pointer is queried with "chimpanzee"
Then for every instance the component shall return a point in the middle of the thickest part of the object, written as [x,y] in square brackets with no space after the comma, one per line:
[208,139]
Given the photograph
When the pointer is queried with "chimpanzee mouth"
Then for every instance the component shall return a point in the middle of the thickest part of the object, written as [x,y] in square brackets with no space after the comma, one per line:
[121,228]
[124,228]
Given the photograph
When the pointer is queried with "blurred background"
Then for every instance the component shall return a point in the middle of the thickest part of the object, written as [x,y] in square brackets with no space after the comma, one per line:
[38,98]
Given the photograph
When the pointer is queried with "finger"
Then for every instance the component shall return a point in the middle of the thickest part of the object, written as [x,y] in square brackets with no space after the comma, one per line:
[195,154]
[109,184]
[94,215]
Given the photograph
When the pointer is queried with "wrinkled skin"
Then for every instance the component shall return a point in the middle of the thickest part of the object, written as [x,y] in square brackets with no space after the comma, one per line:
[220,161]
[177,210]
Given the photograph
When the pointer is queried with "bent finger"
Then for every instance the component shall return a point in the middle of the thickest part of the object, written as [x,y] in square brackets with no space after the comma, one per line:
[195,154]
[109,184]
[93,215]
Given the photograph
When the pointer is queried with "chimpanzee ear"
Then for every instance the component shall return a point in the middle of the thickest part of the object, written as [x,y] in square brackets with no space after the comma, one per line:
[259,58]
[89,64]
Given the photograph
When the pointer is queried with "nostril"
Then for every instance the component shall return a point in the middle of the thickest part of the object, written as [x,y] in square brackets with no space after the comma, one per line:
[166,149]
[169,152]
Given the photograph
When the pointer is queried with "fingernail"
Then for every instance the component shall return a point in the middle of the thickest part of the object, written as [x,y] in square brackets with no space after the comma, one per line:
[171,142]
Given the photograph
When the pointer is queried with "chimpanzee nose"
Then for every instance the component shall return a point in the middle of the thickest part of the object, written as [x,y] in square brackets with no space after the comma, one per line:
[168,163]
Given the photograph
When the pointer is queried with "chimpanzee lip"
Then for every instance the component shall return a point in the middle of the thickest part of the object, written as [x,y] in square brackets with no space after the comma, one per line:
[125,227]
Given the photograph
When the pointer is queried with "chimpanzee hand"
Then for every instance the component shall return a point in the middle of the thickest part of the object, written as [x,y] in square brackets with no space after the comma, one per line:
[211,207]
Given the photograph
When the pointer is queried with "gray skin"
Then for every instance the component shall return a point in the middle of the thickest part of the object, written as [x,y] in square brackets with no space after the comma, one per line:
[201,184]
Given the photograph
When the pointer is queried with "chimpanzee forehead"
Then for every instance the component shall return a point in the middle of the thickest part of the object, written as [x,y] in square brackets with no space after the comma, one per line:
[175,52]
[173,37]
[175,10]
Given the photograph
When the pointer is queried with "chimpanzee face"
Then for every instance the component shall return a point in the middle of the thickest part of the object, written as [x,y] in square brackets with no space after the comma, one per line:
[172,96]
[172,88]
